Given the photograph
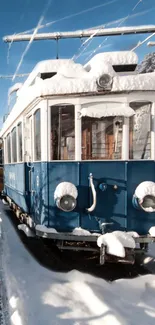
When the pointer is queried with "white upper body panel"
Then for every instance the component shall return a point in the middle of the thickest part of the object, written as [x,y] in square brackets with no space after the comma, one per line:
[72,78]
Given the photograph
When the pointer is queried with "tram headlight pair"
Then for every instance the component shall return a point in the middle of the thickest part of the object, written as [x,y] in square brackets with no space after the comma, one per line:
[65,196]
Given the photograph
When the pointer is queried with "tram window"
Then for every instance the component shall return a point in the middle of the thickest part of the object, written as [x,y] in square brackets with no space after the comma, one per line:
[101,138]
[8,149]
[20,142]
[4,157]
[14,145]
[37,136]
[62,133]
[1,153]
[4,151]
[140,131]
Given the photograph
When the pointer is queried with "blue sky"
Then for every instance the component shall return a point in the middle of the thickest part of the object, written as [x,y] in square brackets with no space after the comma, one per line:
[20,15]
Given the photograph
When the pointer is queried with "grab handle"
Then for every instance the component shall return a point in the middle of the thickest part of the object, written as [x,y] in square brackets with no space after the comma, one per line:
[93,193]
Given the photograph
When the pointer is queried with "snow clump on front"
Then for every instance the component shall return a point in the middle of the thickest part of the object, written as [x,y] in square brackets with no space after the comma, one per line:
[116,242]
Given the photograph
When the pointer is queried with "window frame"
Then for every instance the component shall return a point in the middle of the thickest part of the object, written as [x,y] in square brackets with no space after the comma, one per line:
[8,137]
[20,124]
[151,132]
[34,138]
[61,105]
[14,151]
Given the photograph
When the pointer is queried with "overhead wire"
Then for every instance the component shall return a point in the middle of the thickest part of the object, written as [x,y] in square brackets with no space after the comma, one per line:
[32,37]
[70,16]
[142,42]
[10,76]
[140,13]
[123,20]
[90,39]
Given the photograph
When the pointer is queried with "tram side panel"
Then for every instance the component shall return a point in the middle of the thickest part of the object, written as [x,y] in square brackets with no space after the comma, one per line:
[115,183]
[38,192]
[16,185]
[1,179]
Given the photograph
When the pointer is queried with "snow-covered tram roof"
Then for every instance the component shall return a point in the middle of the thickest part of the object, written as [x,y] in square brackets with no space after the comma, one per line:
[72,78]
[110,59]
[45,66]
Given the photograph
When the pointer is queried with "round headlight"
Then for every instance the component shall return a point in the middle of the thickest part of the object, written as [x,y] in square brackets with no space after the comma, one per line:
[66,203]
[65,196]
[105,81]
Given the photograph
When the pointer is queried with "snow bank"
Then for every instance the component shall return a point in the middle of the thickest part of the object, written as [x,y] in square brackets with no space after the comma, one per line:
[38,296]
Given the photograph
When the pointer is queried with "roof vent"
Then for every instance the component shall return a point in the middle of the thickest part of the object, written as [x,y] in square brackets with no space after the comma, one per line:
[124,67]
[47,75]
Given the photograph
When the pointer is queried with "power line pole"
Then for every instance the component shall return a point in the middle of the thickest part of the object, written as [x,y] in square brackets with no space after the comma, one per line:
[81,33]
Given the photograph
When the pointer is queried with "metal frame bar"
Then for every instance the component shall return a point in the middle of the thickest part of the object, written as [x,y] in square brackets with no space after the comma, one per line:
[66,236]
[82,33]
[91,238]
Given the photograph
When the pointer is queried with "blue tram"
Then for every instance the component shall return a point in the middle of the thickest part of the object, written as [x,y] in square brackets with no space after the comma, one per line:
[79,155]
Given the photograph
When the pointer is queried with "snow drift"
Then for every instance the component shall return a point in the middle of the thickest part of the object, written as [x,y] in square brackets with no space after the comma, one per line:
[38,296]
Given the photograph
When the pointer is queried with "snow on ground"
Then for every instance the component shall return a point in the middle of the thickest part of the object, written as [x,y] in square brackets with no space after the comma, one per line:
[38,296]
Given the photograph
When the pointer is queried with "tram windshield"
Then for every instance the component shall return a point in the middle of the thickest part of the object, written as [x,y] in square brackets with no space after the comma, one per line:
[101,138]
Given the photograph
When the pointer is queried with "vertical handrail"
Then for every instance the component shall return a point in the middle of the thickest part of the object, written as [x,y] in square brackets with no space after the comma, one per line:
[92,208]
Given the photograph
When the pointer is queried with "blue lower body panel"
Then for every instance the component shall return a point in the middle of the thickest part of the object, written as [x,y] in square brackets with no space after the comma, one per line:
[115,183]
[15,184]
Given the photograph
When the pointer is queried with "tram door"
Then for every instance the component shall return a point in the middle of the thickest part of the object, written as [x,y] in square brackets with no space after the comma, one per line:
[29,160]
[34,166]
